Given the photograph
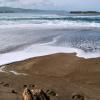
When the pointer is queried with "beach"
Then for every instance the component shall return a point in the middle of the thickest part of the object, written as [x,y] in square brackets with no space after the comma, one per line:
[58,52]
[64,73]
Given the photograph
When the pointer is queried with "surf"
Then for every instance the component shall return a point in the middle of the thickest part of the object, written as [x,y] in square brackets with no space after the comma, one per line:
[24,37]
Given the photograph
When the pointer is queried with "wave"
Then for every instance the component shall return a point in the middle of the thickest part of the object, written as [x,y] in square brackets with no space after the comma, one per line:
[52,18]
[54,34]
[50,24]
[48,17]
[63,21]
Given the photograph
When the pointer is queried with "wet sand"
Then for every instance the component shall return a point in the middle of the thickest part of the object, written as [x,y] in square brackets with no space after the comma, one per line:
[64,73]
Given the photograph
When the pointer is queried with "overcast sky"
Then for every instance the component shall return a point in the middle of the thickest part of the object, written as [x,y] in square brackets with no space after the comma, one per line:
[54,4]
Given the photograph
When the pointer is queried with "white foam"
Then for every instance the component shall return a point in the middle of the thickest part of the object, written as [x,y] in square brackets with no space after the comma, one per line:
[50,25]
[2,69]
[16,73]
[41,50]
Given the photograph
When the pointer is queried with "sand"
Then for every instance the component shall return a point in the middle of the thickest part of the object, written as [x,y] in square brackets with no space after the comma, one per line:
[66,74]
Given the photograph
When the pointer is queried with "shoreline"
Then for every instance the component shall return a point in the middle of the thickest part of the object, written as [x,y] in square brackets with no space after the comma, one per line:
[75,54]
[12,57]
[36,57]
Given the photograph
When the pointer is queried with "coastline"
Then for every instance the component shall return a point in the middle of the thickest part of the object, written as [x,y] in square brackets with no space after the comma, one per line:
[65,73]
[38,50]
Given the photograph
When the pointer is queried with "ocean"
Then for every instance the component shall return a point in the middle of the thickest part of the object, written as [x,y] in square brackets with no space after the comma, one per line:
[27,35]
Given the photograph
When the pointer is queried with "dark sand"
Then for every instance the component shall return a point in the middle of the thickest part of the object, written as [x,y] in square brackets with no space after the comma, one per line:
[64,73]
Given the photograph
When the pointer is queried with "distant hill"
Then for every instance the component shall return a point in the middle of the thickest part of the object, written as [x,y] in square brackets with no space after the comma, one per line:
[84,12]
[21,10]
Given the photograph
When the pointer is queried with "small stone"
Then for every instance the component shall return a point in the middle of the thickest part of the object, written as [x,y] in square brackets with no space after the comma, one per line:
[77,97]
[6,85]
[51,92]
[25,86]
[13,91]
[33,86]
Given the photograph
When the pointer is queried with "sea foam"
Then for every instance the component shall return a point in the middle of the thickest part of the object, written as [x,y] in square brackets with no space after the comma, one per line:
[41,50]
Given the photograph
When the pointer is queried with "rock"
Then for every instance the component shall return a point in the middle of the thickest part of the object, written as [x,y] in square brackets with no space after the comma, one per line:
[78,97]
[34,94]
[51,92]
[27,95]
[33,86]
[25,86]
[6,85]
[39,94]
[14,92]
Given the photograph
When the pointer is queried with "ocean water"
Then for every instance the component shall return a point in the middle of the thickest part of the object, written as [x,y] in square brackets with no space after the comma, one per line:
[26,35]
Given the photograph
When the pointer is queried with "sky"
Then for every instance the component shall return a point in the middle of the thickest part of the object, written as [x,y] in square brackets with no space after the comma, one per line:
[67,5]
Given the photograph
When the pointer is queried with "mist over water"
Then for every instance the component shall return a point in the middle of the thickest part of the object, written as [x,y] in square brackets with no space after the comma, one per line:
[29,35]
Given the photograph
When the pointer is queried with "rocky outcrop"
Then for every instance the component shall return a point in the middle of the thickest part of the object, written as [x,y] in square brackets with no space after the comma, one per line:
[34,94]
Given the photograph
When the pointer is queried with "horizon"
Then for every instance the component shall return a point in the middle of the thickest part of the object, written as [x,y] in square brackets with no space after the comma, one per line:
[67,5]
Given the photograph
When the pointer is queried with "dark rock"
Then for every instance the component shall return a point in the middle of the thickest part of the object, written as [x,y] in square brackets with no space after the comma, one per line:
[6,85]
[51,92]
[25,86]
[33,86]
[14,92]
[78,97]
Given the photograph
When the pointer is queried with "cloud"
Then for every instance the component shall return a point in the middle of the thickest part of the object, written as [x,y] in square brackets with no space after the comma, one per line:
[21,2]
[26,3]
[54,4]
